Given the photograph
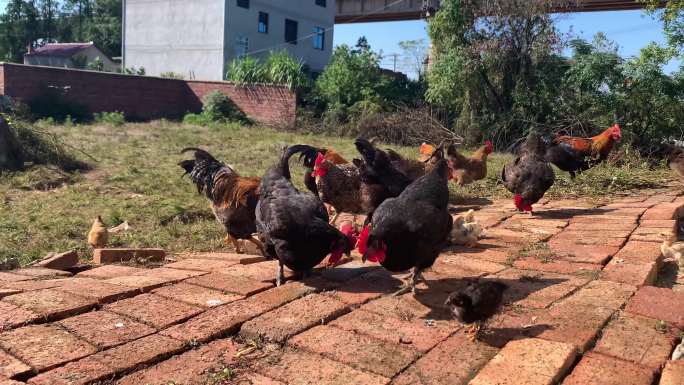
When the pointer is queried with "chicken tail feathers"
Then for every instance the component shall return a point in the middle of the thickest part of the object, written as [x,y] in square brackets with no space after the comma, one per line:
[284,164]
[366,149]
[308,155]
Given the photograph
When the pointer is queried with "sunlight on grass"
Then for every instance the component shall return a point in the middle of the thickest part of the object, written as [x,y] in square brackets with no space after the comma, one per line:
[136,179]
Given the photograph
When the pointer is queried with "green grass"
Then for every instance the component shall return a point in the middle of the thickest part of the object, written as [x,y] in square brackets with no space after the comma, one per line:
[136,179]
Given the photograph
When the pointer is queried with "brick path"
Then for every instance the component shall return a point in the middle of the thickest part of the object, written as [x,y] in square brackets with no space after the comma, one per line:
[582,308]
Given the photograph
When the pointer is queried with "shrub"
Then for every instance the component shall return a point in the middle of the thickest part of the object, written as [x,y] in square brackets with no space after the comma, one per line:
[53,102]
[246,71]
[196,119]
[281,68]
[217,107]
[114,118]
[171,75]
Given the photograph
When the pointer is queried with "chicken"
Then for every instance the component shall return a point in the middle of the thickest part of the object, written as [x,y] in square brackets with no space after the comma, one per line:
[466,170]
[379,178]
[411,230]
[98,236]
[294,224]
[414,169]
[676,161]
[233,197]
[530,175]
[310,157]
[475,303]
[335,184]
[466,231]
[573,154]
[672,249]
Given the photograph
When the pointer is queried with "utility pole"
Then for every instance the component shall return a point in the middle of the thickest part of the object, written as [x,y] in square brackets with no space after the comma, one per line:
[394,57]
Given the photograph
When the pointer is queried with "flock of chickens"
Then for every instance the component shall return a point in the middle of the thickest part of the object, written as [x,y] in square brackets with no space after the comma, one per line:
[405,202]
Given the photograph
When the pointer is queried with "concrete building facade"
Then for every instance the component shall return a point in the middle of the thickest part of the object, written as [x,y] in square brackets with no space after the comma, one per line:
[198,38]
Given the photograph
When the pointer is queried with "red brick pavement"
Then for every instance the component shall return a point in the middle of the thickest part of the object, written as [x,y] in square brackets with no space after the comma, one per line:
[581,308]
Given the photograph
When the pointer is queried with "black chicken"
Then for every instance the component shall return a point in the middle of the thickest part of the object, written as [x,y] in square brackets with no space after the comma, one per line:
[379,178]
[475,303]
[294,224]
[530,175]
[410,231]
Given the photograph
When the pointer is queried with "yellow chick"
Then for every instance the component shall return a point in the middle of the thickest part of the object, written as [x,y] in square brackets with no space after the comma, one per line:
[466,231]
[98,234]
[672,249]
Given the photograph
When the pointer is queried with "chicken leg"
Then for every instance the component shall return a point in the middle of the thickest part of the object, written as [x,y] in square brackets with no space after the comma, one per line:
[279,274]
[258,244]
[474,330]
[234,242]
[411,284]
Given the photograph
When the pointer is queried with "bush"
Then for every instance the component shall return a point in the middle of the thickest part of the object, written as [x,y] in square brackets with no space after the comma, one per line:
[217,107]
[114,118]
[196,119]
[171,75]
[246,71]
[281,68]
[53,102]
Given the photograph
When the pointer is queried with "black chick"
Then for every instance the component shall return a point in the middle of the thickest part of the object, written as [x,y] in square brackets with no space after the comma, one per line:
[411,230]
[475,303]
[530,175]
[294,224]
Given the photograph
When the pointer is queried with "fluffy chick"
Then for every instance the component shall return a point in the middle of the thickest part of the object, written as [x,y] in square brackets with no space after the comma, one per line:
[475,303]
[98,234]
[466,230]
[672,249]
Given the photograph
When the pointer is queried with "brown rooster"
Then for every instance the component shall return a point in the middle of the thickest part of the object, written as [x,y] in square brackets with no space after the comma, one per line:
[412,168]
[466,170]
[233,197]
[573,154]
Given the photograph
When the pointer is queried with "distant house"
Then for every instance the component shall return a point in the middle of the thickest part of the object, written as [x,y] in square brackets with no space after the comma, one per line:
[197,38]
[70,55]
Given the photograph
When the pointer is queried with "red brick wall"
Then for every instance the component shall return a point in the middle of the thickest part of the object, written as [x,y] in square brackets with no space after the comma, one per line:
[143,97]
[274,105]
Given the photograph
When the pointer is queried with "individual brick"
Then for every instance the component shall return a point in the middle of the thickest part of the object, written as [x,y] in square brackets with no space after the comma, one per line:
[295,317]
[555,266]
[61,261]
[453,362]
[33,285]
[571,251]
[262,271]
[44,347]
[347,271]
[4,292]
[364,288]
[41,272]
[573,324]
[12,316]
[600,226]
[599,293]
[302,368]
[228,318]
[51,304]
[230,283]
[640,252]
[415,334]
[595,369]
[172,275]
[154,310]
[637,339]
[469,264]
[107,256]
[201,264]
[109,271]
[97,290]
[536,289]
[637,274]
[195,295]
[531,361]
[11,367]
[139,282]
[673,373]
[191,368]
[589,239]
[104,329]
[356,350]
[658,303]
[82,372]
[428,305]
[10,382]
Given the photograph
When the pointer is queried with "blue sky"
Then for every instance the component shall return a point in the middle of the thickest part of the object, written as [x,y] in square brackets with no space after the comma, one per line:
[632,30]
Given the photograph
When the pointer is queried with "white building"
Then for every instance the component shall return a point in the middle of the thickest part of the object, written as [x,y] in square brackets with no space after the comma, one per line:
[198,38]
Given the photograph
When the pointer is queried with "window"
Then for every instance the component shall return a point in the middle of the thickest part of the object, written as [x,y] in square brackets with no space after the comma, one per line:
[263,22]
[241,47]
[319,38]
[320,3]
[243,3]
[290,31]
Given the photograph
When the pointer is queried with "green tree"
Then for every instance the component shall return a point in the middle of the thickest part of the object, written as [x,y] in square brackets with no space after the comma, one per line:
[414,54]
[672,16]
[20,27]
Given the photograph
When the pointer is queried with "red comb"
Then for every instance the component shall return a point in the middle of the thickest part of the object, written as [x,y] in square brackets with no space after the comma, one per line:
[363,240]
[319,159]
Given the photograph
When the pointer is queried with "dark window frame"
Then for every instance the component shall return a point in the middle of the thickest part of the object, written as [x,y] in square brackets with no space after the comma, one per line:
[319,37]
[291,26]
[242,3]
[320,3]
[262,22]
